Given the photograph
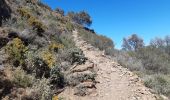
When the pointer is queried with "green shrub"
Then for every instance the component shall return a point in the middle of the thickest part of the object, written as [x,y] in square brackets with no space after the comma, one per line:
[69,26]
[31,1]
[32,21]
[16,51]
[57,77]
[44,5]
[72,55]
[38,25]
[55,46]
[76,78]
[67,40]
[19,23]
[49,58]
[98,41]
[154,60]
[24,12]
[160,83]
[41,69]
[77,56]
[43,89]
[82,18]
[128,61]
[22,79]
[59,11]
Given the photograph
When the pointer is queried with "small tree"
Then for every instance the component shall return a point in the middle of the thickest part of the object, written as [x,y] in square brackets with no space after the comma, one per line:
[167,43]
[132,43]
[157,42]
[82,18]
[60,11]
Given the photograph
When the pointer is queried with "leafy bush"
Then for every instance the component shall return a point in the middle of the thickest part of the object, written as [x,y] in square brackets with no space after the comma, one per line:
[77,56]
[32,21]
[38,25]
[43,89]
[72,55]
[24,12]
[82,18]
[76,78]
[154,60]
[160,83]
[15,23]
[48,58]
[22,79]
[41,69]
[55,46]
[67,40]
[98,41]
[44,5]
[59,11]
[55,98]
[16,51]
[57,78]
[69,26]
[128,61]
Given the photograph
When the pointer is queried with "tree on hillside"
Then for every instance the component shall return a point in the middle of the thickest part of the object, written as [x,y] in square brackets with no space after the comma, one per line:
[167,43]
[132,43]
[82,18]
[157,43]
[162,44]
[60,11]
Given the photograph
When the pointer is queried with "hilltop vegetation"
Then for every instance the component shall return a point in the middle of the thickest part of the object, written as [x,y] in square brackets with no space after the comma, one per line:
[151,62]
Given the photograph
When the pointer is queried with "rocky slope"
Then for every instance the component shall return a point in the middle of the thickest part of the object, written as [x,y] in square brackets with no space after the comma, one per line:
[113,82]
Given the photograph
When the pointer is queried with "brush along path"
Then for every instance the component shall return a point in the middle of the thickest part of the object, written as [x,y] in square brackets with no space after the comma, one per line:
[113,81]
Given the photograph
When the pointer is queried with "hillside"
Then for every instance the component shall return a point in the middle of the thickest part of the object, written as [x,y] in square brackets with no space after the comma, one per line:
[46,55]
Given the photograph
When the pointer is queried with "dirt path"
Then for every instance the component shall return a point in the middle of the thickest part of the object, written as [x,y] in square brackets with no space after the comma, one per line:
[114,81]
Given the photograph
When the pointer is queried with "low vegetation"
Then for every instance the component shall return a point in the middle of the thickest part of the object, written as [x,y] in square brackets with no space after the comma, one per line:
[98,41]
[39,50]
[150,62]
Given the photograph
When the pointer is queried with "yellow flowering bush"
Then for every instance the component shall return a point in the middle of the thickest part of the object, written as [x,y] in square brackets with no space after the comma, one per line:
[35,22]
[49,58]
[55,46]
[55,98]
[16,50]
[24,12]
[32,21]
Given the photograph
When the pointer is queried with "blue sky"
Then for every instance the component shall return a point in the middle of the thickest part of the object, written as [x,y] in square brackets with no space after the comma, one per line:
[120,18]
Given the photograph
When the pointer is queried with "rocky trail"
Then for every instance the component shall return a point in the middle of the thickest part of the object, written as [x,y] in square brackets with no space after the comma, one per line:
[112,81]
